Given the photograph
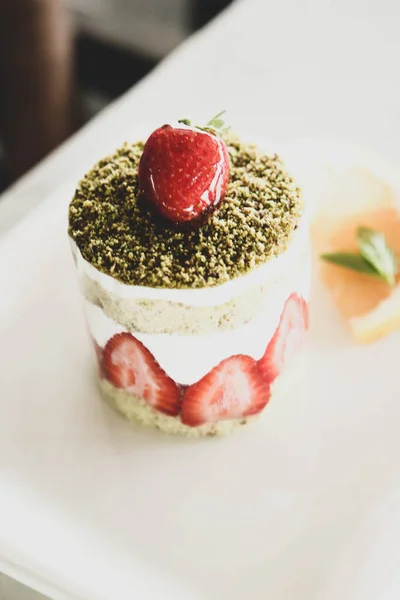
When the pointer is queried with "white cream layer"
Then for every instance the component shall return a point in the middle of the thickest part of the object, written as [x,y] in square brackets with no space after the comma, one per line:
[187,358]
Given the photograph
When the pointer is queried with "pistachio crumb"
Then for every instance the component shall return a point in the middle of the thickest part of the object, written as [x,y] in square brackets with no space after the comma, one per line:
[117,232]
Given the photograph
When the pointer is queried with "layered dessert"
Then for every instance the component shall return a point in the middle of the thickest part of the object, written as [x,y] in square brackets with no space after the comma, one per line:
[192,256]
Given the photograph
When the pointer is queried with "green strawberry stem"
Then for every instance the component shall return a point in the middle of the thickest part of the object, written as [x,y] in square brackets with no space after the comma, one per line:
[216,122]
[215,125]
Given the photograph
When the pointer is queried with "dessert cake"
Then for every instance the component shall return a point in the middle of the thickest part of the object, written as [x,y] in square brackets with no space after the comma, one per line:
[192,255]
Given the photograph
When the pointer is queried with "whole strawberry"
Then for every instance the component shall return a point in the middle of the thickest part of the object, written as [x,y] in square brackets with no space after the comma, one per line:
[184,170]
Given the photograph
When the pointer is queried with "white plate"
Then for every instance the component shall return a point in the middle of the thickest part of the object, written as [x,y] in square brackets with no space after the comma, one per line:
[93,508]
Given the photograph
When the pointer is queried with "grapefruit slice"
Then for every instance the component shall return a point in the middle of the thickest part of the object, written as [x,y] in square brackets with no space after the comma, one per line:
[370,306]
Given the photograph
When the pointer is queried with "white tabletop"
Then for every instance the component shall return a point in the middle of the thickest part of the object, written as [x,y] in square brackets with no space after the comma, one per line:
[287,69]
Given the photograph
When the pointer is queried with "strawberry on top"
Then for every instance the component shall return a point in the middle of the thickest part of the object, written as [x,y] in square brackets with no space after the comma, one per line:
[184,171]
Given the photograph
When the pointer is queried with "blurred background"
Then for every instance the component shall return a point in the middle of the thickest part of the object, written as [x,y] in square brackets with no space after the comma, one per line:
[62,61]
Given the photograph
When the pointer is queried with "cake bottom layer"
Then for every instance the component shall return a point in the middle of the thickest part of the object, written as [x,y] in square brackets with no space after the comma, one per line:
[139,412]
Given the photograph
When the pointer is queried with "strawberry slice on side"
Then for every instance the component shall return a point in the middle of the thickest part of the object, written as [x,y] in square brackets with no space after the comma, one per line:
[232,390]
[100,357]
[129,365]
[288,339]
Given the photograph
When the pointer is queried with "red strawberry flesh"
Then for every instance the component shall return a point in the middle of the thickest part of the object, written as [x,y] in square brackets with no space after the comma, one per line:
[183,171]
[129,365]
[232,390]
[287,340]
[99,356]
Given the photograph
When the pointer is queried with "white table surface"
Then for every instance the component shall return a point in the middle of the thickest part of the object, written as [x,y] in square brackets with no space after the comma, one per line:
[287,69]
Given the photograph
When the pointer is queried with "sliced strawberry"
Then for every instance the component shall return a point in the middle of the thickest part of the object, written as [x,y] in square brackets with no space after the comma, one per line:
[129,365]
[99,356]
[232,390]
[183,171]
[287,340]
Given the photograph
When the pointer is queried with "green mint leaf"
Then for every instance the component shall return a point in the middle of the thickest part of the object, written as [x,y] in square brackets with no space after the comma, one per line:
[374,249]
[356,262]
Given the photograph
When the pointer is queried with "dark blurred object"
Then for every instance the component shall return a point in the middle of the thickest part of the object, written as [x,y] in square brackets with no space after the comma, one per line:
[150,28]
[5,179]
[117,43]
[107,70]
[35,80]
[120,41]
[205,10]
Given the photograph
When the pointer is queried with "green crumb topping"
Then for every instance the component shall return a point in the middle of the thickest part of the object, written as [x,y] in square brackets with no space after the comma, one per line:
[118,233]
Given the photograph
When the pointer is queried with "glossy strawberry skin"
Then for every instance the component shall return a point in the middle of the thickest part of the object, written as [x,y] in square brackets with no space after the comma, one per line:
[183,172]
[288,339]
[233,389]
[129,365]
[99,357]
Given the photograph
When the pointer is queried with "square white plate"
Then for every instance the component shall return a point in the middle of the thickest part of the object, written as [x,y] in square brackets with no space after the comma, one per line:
[93,508]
